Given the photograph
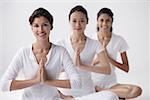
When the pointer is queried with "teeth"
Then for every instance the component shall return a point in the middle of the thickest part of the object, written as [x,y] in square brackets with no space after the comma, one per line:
[41,34]
[104,26]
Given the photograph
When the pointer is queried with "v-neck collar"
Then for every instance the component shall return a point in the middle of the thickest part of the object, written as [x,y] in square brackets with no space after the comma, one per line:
[33,58]
[71,48]
[110,42]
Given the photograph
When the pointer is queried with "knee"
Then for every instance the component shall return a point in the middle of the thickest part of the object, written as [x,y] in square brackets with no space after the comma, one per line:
[110,95]
[137,91]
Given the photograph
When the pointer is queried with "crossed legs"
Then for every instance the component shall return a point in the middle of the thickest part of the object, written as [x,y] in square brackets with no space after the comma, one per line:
[102,95]
[124,90]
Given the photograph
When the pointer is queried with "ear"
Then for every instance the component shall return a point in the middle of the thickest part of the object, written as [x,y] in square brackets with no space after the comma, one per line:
[97,27]
[87,21]
[51,27]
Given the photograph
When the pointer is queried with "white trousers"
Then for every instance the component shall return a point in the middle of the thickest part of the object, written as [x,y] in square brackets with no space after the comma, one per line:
[103,95]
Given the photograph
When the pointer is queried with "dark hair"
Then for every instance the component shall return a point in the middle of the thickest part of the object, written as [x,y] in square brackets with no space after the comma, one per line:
[41,12]
[79,8]
[105,11]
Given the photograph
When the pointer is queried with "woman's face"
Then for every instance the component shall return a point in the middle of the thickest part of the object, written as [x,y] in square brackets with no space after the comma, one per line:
[104,23]
[78,22]
[41,28]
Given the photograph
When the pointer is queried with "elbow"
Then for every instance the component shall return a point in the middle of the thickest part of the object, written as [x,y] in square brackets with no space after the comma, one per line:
[76,82]
[5,85]
[108,71]
[126,69]
[79,83]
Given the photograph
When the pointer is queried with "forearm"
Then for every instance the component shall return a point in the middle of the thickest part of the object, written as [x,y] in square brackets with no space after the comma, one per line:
[96,69]
[58,83]
[121,66]
[20,84]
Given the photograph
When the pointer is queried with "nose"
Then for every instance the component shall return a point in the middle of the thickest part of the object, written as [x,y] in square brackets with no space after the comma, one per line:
[78,23]
[104,23]
[41,28]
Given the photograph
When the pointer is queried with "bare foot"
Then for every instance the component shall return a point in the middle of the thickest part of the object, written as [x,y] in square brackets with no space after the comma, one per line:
[98,89]
[68,98]
[64,97]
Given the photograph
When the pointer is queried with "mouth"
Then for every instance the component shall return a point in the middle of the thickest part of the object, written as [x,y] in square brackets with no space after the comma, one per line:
[78,29]
[104,27]
[42,34]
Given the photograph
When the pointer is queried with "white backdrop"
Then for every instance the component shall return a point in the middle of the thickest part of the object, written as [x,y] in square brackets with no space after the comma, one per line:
[130,21]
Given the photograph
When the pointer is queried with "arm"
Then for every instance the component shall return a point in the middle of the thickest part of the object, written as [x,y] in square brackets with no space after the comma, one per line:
[18,84]
[40,77]
[104,68]
[73,80]
[8,81]
[55,83]
[124,65]
[58,83]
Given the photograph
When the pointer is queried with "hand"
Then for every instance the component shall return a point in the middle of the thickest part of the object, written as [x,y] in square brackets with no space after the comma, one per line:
[77,60]
[104,44]
[43,73]
[95,61]
[104,40]
[38,76]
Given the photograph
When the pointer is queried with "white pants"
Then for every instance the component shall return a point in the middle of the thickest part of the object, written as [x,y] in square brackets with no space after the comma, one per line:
[87,86]
[103,95]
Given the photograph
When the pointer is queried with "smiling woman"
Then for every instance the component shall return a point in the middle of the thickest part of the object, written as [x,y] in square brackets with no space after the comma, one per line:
[40,64]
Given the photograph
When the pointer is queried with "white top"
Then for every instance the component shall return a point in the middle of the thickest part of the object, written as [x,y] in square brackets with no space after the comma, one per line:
[91,48]
[116,44]
[25,61]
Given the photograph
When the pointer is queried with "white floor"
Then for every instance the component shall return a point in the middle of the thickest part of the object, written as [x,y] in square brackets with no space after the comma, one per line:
[16,95]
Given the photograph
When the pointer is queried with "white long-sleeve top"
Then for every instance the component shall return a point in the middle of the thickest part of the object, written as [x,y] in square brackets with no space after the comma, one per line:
[91,48]
[25,61]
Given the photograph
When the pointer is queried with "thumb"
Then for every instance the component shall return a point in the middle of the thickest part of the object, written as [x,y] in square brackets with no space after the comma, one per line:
[41,63]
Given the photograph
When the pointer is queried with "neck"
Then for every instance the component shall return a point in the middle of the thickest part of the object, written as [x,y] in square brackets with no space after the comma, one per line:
[77,36]
[106,34]
[42,45]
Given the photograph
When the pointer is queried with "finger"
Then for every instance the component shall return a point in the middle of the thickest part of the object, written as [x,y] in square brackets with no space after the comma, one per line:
[41,63]
[97,62]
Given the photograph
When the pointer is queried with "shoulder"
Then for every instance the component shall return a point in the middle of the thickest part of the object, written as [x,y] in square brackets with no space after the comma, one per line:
[92,41]
[62,42]
[118,37]
[24,49]
[58,48]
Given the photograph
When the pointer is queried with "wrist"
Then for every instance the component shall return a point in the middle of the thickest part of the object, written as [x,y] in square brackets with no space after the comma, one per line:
[82,66]
[35,81]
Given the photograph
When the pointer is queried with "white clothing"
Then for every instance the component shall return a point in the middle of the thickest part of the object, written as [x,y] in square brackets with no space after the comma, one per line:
[103,95]
[25,61]
[116,44]
[91,48]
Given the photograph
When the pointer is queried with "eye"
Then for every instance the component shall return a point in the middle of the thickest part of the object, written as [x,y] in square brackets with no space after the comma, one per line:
[74,21]
[45,24]
[35,25]
[107,20]
[101,20]
[82,21]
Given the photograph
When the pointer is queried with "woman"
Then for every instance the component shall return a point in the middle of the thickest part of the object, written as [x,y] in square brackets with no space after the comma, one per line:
[82,50]
[40,64]
[114,44]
